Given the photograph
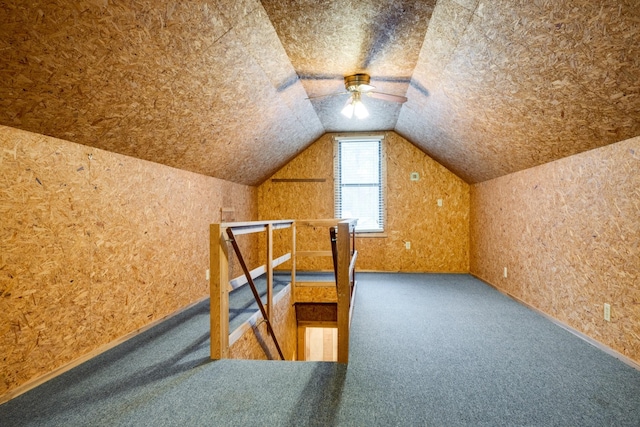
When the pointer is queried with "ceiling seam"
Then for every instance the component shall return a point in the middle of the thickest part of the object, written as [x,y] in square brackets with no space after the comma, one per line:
[473,12]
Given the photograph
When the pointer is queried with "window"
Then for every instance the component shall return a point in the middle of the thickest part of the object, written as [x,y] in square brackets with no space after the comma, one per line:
[359,182]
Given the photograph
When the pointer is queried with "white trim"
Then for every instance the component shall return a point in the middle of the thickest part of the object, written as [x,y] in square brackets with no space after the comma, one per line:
[358,138]
[382,191]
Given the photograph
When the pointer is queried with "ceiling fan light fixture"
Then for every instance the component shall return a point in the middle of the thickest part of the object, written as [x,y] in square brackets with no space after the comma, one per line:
[360,110]
[355,106]
[348,109]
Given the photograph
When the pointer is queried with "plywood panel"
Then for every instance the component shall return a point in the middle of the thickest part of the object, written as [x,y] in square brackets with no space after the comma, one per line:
[256,343]
[438,235]
[499,88]
[316,294]
[220,87]
[568,233]
[337,42]
[183,84]
[301,200]
[329,41]
[94,246]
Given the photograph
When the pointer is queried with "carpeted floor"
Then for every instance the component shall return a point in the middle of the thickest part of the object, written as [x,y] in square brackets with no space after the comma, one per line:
[426,350]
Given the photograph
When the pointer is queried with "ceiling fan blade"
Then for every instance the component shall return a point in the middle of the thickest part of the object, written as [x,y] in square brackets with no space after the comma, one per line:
[387,97]
[364,88]
[326,95]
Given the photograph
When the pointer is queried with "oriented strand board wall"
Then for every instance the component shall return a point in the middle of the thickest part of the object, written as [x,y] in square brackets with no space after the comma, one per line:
[95,245]
[256,343]
[317,294]
[168,81]
[439,236]
[503,85]
[569,234]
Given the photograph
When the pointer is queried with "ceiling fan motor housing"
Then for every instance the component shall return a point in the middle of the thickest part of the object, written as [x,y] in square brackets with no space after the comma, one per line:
[353,82]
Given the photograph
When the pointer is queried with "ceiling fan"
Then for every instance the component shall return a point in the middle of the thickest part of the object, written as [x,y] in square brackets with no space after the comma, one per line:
[356,85]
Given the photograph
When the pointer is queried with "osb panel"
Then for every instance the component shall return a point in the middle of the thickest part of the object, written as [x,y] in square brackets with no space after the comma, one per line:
[316,294]
[219,87]
[329,41]
[94,246]
[507,88]
[317,312]
[302,200]
[346,36]
[467,4]
[438,235]
[569,235]
[256,343]
[184,84]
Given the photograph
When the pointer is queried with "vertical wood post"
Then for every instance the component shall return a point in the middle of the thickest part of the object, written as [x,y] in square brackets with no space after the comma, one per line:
[219,293]
[270,310]
[344,291]
[293,263]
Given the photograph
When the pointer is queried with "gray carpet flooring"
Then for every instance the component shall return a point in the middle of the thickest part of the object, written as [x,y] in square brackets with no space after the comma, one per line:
[426,350]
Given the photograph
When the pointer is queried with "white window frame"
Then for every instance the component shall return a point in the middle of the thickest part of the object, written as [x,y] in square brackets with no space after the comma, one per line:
[378,232]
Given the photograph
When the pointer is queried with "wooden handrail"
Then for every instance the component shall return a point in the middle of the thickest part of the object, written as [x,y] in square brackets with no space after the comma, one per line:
[219,278]
[344,255]
[343,285]
[258,271]
[239,228]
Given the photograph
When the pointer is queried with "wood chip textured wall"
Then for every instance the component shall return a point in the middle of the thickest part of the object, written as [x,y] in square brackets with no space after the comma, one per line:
[95,245]
[438,235]
[568,233]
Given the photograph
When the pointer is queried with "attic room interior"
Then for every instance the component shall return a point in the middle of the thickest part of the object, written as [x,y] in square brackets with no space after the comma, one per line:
[509,135]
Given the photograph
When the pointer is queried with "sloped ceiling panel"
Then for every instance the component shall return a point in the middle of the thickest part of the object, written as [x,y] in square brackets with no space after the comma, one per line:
[511,85]
[328,40]
[219,87]
[203,86]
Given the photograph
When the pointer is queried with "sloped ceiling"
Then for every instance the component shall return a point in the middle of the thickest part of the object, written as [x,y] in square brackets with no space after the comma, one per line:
[514,84]
[326,41]
[220,87]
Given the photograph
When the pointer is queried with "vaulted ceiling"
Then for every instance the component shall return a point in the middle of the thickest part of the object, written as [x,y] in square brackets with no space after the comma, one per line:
[221,87]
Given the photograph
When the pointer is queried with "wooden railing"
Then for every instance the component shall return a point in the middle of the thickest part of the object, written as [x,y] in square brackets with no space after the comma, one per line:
[344,255]
[220,284]
[345,283]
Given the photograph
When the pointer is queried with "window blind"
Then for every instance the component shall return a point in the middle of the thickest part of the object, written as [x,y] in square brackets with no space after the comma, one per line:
[359,189]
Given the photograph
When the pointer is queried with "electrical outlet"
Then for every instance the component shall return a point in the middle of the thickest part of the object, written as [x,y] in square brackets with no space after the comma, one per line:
[440,202]
[505,272]
[208,274]
[607,312]
[407,245]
